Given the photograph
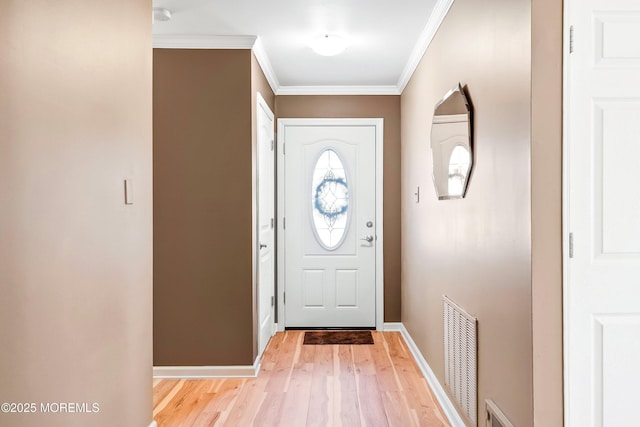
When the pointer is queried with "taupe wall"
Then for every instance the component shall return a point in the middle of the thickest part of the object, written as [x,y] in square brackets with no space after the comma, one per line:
[546,211]
[203,199]
[387,107]
[476,250]
[75,261]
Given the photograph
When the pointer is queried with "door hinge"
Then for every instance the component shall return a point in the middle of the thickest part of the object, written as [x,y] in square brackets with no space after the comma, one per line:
[570,245]
[284,223]
[571,39]
[272,301]
[272,223]
[284,298]
[284,151]
[272,145]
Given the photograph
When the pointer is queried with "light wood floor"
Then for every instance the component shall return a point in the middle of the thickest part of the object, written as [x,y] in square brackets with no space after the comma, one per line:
[309,385]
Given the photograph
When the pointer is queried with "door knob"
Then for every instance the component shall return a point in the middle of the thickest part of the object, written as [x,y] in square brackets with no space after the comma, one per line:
[368,239]
[262,246]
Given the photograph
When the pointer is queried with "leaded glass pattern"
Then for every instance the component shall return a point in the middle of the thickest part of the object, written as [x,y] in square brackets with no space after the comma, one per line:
[330,200]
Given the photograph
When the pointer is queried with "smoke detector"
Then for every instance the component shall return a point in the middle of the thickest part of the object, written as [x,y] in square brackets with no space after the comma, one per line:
[160,14]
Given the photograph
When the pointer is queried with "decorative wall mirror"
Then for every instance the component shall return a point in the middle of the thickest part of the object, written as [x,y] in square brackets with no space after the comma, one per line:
[451,145]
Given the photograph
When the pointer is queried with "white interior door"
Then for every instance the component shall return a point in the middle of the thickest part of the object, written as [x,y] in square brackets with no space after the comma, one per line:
[602,172]
[330,224]
[266,230]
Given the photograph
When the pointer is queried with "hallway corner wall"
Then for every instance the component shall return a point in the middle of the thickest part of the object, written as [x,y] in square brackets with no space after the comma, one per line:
[75,260]
[546,212]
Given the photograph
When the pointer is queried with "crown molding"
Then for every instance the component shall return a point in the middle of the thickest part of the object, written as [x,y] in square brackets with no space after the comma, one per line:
[338,90]
[424,40]
[265,64]
[202,41]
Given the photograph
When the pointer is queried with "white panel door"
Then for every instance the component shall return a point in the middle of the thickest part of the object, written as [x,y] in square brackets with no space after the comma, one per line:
[266,230]
[330,231]
[602,169]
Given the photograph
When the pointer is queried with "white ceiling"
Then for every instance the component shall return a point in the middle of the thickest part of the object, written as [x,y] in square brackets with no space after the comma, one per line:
[386,38]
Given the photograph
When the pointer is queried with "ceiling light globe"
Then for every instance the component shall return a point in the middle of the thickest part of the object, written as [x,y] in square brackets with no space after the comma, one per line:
[328,45]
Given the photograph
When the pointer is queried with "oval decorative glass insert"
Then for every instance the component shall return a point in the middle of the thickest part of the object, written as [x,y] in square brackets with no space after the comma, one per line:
[330,200]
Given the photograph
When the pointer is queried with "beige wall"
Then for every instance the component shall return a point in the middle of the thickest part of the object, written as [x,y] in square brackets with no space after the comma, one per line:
[203,198]
[387,107]
[546,211]
[476,250]
[75,261]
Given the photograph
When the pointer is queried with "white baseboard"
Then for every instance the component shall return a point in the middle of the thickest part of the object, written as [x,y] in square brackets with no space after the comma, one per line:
[446,404]
[393,327]
[193,372]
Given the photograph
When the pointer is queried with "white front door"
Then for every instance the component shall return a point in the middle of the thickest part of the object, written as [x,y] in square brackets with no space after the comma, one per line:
[266,230]
[330,224]
[602,172]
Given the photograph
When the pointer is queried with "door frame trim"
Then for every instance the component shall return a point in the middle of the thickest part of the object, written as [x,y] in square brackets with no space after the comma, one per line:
[378,123]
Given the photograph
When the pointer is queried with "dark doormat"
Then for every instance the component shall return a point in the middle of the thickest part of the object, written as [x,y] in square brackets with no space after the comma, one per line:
[338,337]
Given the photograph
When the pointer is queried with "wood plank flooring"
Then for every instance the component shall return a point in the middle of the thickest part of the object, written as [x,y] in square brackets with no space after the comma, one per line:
[309,385]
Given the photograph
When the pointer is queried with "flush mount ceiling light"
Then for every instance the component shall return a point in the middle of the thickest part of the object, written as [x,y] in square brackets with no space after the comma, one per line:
[160,14]
[328,45]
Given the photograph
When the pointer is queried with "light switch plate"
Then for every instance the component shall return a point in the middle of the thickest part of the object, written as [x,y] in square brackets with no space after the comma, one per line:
[128,192]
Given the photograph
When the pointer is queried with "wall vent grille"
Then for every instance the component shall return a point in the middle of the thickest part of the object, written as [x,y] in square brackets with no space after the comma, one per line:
[460,355]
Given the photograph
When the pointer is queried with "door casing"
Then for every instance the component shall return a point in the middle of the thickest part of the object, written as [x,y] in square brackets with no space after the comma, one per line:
[378,123]
[261,292]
